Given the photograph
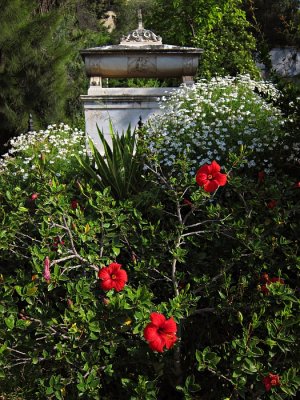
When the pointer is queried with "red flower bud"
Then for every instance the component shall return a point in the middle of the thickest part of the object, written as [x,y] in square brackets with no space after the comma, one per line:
[187,202]
[74,204]
[261,176]
[70,303]
[105,301]
[46,273]
[272,204]
[34,196]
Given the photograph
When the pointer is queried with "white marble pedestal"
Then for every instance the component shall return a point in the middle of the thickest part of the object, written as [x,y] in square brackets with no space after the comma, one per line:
[123,106]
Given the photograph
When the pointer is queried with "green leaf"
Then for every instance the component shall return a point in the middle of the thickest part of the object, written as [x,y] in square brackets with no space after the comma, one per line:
[35,360]
[10,321]
[94,326]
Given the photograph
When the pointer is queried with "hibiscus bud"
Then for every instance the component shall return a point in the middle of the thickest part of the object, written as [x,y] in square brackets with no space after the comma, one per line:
[297,185]
[261,176]
[187,202]
[34,277]
[46,273]
[272,204]
[105,301]
[70,304]
[74,204]
[34,196]
[133,258]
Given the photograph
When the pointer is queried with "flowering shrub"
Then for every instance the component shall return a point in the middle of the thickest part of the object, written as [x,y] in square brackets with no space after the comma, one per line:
[53,149]
[214,118]
[157,295]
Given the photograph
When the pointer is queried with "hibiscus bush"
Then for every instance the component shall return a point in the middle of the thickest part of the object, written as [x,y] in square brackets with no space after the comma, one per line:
[185,289]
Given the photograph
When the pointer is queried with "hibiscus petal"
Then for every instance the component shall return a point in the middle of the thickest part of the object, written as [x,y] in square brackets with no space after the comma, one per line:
[211,186]
[215,167]
[157,319]
[157,344]
[150,332]
[170,326]
[170,340]
[104,273]
[205,169]
[115,267]
[221,179]
[122,275]
[107,284]
[118,284]
[201,179]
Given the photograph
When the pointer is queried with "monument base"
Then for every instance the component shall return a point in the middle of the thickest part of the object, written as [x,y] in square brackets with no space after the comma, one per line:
[121,106]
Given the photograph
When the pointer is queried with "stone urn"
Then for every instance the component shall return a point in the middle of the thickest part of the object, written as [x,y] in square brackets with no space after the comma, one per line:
[140,54]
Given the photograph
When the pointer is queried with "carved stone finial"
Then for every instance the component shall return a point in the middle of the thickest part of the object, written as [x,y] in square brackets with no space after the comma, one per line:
[140,19]
[141,36]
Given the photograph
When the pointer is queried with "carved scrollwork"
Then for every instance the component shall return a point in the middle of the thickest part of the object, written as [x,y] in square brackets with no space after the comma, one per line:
[141,35]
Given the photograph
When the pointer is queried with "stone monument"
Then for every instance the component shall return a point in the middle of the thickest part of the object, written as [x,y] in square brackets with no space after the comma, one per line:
[139,54]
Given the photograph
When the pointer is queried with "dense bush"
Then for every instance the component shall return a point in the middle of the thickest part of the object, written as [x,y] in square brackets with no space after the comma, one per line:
[215,118]
[177,291]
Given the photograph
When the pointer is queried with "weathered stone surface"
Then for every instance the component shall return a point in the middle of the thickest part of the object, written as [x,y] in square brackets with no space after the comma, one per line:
[148,61]
[123,106]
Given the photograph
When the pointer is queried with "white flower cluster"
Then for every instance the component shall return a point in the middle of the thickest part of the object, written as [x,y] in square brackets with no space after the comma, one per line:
[294,153]
[57,145]
[213,118]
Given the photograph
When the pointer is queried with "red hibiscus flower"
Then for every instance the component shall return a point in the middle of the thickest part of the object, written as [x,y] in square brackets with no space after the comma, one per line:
[160,332]
[112,277]
[210,178]
[267,282]
[271,380]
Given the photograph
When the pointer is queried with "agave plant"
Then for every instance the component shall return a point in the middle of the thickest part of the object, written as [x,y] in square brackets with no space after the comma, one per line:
[119,167]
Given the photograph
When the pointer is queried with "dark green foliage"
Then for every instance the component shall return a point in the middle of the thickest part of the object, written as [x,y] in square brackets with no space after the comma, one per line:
[276,22]
[117,166]
[188,254]
[33,74]
[41,71]
[219,27]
